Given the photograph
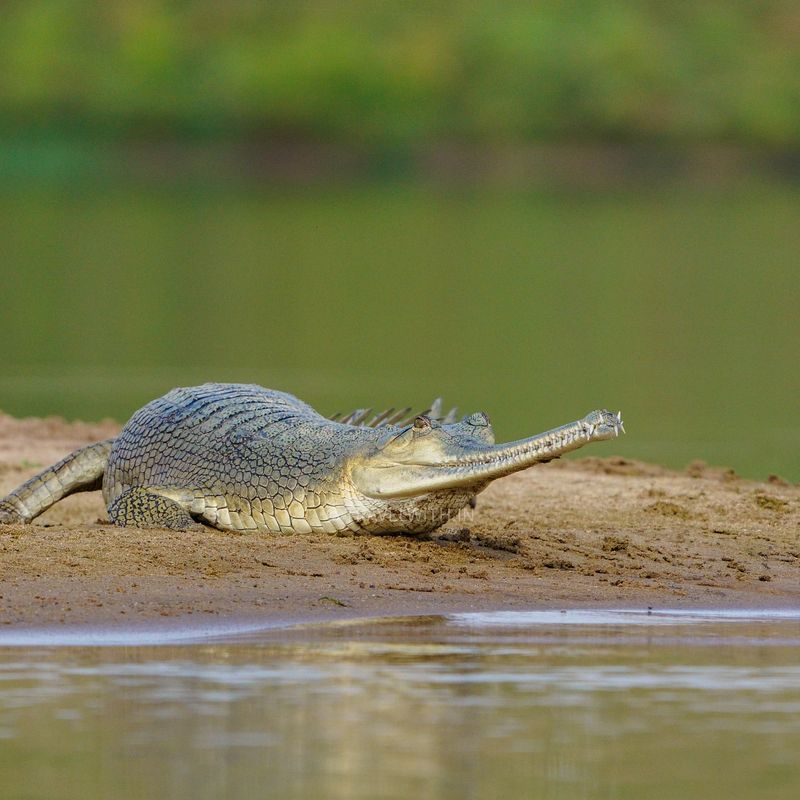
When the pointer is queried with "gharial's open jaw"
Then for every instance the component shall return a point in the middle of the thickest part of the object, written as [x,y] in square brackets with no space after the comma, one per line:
[595,426]
[480,466]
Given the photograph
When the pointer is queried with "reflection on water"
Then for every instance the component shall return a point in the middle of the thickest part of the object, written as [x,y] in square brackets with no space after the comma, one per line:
[678,308]
[432,708]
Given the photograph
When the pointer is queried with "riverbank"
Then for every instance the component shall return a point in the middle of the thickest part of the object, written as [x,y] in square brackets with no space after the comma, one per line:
[606,532]
[297,166]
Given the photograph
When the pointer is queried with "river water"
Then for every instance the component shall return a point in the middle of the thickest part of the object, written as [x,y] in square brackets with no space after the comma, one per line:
[548,704]
[677,306]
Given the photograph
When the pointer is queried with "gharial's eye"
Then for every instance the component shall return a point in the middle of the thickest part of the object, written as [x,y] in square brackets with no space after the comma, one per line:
[422,424]
[478,420]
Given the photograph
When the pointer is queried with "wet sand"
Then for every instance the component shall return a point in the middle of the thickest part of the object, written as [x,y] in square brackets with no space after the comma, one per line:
[607,532]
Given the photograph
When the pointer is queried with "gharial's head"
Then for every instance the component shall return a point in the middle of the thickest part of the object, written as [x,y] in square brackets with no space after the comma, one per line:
[427,456]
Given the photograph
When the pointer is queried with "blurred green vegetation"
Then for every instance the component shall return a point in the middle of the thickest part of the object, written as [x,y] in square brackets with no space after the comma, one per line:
[388,74]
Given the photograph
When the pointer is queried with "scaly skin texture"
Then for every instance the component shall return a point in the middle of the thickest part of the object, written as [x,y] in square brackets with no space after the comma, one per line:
[81,471]
[244,458]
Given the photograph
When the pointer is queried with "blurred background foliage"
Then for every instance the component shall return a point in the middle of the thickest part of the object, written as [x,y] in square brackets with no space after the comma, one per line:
[383,73]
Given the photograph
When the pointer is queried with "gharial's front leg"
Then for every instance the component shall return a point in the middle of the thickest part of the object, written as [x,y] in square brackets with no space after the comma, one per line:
[140,507]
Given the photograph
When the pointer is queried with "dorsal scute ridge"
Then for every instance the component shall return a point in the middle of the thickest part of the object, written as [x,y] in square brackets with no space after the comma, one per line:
[360,417]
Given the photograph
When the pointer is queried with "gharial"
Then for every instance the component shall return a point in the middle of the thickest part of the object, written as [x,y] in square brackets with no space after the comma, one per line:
[243,458]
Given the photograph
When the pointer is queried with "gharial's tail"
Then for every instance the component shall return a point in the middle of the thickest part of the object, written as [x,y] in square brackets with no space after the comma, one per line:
[81,471]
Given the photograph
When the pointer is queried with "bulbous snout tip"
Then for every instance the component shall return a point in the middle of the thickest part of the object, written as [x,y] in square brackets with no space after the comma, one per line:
[602,424]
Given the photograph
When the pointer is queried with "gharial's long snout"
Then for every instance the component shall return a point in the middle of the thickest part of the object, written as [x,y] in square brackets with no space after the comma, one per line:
[479,465]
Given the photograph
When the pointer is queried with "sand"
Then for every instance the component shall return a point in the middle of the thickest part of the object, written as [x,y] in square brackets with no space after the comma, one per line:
[604,532]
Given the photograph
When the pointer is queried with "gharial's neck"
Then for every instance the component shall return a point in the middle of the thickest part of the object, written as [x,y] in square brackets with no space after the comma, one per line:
[407,515]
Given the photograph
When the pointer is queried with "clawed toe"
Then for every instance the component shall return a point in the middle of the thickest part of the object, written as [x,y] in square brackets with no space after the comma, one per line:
[8,514]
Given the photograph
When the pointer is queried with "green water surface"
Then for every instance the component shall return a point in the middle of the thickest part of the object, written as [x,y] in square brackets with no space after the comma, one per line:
[679,307]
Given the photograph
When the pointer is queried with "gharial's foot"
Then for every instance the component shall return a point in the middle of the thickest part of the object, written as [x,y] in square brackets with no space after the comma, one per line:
[9,514]
[602,424]
[139,507]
